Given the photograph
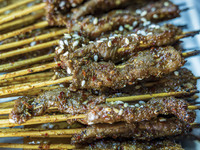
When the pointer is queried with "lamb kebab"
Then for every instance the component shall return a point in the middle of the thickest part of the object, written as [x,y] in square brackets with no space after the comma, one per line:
[180,80]
[145,130]
[96,108]
[155,62]
[117,47]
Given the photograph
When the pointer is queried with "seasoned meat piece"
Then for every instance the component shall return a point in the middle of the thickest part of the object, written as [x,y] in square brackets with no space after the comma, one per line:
[158,11]
[62,5]
[145,130]
[111,113]
[70,42]
[134,145]
[155,62]
[180,80]
[96,6]
[56,10]
[66,101]
[119,47]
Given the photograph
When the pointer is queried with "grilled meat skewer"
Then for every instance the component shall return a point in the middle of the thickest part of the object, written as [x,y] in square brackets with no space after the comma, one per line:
[155,62]
[117,47]
[97,111]
[180,80]
[145,130]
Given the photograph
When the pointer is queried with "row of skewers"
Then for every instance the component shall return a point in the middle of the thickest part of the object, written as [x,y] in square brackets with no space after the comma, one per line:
[109,55]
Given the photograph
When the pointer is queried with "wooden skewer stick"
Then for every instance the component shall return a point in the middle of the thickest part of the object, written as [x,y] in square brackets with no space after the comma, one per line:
[27,77]
[195,125]
[39,133]
[25,62]
[28,86]
[40,119]
[192,53]
[15,5]
[32,92]
[27,81]
[30,70]
[193,107]
[42,146]
[24,30]
[21,21]
[135,98]
[187,34]
[21,13]
[26,41]
[149,96]
[196,78]
[7,104]
[29,49]
[5,111]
